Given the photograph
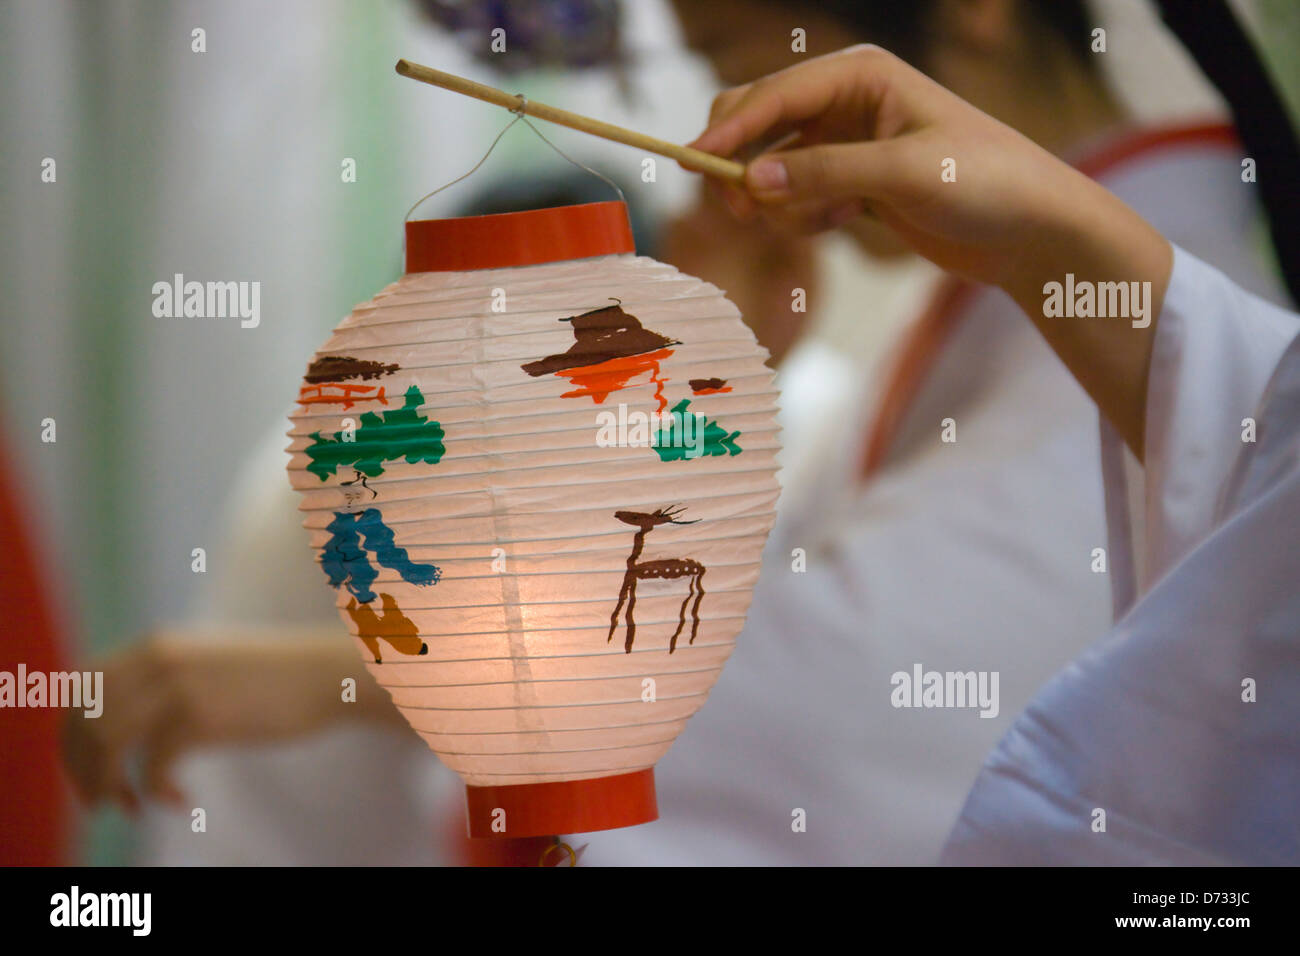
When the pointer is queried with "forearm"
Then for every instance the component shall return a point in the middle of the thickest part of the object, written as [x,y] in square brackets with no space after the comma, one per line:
[878,135]
[335,661]
[181,689]
[1086,233]
[291,676]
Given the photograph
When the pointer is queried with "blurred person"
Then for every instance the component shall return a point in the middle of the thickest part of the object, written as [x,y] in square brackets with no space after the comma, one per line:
[974,555]
[893,576]
[1152,747]
[239,710]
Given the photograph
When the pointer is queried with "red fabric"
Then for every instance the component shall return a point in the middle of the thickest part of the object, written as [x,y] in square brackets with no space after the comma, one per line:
[33,795]
[931,332]
[924,343]
[1140,142]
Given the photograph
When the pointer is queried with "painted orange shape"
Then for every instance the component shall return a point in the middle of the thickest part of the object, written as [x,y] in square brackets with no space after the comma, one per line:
[347,396]
[393,626]
[599,380]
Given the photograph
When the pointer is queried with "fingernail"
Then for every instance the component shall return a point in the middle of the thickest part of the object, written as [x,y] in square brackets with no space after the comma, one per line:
[768,175]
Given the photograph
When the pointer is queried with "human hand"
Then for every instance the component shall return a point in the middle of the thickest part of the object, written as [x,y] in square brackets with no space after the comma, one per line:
[170,694]
[861,131]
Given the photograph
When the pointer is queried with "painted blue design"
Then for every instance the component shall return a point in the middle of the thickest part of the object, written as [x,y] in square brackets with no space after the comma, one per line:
[346,561]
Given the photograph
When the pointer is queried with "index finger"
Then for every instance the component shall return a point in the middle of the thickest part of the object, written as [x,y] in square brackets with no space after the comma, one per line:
[795,95]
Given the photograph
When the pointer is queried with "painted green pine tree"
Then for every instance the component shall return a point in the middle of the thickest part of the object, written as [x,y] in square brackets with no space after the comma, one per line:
[669,440]
[385,436]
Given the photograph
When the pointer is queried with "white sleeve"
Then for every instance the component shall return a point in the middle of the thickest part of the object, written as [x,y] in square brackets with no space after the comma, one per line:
[1216,347]
[1174,739]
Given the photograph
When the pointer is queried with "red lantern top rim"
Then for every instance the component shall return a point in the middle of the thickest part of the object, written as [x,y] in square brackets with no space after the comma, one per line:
[530,237]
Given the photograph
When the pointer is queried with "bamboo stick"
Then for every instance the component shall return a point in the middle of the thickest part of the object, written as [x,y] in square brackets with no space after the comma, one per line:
[694,158]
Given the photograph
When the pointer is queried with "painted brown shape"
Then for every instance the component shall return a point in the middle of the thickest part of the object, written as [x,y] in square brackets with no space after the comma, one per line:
[669,568]
[336,368]
[393,626]
[709,386]
[326,381]
[599,336]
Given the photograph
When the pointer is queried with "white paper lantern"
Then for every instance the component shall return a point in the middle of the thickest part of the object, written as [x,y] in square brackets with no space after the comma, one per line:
[546,577]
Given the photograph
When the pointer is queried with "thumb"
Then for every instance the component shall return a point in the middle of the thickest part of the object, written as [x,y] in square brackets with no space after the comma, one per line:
[826,172]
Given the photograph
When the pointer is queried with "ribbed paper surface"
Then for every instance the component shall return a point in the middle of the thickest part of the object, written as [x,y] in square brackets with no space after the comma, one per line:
[465,502]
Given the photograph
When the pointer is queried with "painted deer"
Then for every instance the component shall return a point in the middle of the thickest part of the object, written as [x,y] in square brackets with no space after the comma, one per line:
[666,568]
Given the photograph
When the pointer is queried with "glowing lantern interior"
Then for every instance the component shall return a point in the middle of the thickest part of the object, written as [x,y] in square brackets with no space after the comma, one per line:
[539,471]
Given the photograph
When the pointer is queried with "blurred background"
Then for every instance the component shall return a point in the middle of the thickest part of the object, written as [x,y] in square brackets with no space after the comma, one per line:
[227,164]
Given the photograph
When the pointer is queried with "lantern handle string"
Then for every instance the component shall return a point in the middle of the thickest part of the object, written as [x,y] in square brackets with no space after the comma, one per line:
[518,112]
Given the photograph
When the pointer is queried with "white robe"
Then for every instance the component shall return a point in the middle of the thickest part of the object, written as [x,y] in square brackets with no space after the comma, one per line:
[1180,731]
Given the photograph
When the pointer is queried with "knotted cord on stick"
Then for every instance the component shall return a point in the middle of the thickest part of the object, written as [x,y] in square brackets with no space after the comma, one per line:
[696,159]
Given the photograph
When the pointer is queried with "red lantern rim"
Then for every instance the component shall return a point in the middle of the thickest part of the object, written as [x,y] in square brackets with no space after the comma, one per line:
[563,806]
[527,238]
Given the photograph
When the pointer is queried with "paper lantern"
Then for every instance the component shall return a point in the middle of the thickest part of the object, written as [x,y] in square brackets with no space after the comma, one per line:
[540,470]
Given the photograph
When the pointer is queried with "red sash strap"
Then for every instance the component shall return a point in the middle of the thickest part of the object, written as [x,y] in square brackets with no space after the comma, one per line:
[925,341]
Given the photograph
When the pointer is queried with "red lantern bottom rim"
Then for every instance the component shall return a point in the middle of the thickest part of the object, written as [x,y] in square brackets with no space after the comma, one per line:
[562,806]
